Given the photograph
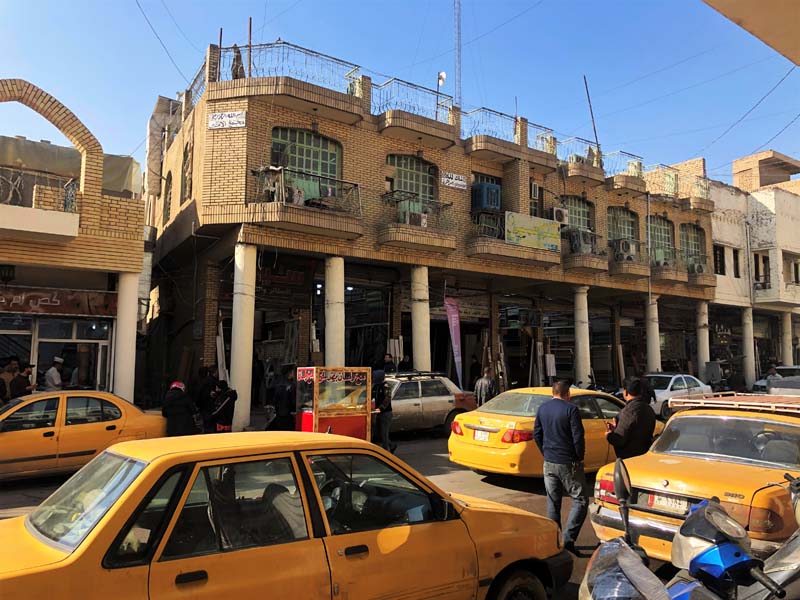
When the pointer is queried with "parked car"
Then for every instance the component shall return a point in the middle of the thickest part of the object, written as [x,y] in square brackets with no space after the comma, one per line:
[426,400]
[59,432]
[667,385]
[498,436]
[282,515]
[736,448]
[762,386]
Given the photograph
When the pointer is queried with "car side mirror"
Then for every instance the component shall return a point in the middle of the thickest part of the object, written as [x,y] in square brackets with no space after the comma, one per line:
[441,508]
[622,481]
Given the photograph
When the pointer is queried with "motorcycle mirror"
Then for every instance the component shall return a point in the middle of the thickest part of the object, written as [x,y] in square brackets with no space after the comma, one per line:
[622,481]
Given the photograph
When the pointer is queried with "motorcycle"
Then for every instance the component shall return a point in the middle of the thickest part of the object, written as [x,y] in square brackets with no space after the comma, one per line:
[711,547]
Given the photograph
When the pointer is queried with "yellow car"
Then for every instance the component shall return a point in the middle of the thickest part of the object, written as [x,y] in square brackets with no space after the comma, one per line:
[498,436]
[271,514]
[738,454]
[59,432]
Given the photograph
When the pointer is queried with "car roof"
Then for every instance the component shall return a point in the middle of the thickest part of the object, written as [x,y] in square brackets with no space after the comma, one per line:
[151,449]
[730,412]
[413,375]
[548,391]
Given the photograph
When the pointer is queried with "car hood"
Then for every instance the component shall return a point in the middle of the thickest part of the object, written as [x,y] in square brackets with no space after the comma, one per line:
[25,552]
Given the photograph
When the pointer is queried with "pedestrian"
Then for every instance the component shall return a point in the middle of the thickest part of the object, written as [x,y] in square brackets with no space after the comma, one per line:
[179,411]
[21,384]
[558,432]
[405,365]
[474,372]
[224,403]
[772,374]
[632,432]
[383,402]
[202,397]
[485,387]
[237,67]
[388,364]
[285,398]
[6,377]
[52,378]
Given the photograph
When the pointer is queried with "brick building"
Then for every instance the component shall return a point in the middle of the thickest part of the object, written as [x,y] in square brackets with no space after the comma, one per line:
[310,214]
[71,250]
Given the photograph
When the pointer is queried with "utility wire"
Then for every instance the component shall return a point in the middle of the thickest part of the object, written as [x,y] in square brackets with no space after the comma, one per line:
[784,128]
[179,28]
[160,41]
[139,145]
[263,22]
[273,19]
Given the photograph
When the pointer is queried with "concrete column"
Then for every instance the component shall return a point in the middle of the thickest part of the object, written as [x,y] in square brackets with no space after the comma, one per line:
[125,334]
[787,355]
[244,308]
[652,334]
[334,311]
[703,344]
[748,348]
[583,367]
[420,319]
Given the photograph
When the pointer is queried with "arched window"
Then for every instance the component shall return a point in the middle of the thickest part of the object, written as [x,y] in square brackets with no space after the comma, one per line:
[623,224]
[581,212]
[412,174]
[662,233]
[693,240]
[166,199]
[306,151]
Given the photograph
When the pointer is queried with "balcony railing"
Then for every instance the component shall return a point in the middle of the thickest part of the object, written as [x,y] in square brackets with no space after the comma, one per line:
[410,209]
[628,251]
[666,257]
[298,188]
[662,180]
[762,283]
[396,94]
[489,226]
[485,121]
[694,186]
[697,264]
[282,59]
[578,150]
[542,139]
[577,242]
[195,90]
[17,189]
[622,163]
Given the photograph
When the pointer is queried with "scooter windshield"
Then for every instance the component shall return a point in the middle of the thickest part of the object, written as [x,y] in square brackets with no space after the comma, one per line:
[617,573]
[786,558]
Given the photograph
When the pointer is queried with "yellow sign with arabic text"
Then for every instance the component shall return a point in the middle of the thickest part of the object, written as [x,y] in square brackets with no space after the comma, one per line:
[533,232]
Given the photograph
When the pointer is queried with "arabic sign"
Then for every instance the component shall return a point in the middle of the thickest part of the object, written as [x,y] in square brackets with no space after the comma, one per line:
[305,374]
[533,232]
[354,377]
[57,302]
[226,120]
[454,181]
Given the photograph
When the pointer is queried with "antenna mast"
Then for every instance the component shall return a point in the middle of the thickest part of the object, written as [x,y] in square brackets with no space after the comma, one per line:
[457,25]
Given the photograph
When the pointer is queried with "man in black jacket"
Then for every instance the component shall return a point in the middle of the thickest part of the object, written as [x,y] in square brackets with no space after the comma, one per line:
[632,433]
[179,410]
[558,432]
[224,404]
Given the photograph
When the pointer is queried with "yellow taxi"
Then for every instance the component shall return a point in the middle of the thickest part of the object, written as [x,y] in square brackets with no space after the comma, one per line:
[498,436]
[59,432]
[736,448]
[276,514]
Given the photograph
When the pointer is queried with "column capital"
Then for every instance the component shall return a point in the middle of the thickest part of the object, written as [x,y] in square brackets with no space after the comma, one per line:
[652,298]
[581,289]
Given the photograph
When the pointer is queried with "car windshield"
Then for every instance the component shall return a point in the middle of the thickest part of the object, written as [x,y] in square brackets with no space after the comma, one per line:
[659,382]
[15,402]
[752,441]
[73,510]
[788,371]
[517,404]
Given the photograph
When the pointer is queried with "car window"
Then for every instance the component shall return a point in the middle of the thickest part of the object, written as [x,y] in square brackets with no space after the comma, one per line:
[239,505]
[513,403]
[586,407]
[81,411]
[35,415]
[361,493]
[136,544]
[659,382]
[111,411]
[434,387]
[407,390]
[609,409]
[691,382]
[678,384]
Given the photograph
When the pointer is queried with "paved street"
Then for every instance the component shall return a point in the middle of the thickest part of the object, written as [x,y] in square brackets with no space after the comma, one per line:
[426,453]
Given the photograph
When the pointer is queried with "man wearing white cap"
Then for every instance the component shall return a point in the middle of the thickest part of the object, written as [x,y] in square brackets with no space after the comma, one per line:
[52,378]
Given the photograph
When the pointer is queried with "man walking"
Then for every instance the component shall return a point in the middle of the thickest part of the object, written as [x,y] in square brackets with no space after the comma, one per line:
[632,433]
[485,387]
[383,402]
[558,432]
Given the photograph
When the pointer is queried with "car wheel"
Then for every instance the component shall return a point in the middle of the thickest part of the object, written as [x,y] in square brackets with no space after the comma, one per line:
[521,585]
[666,413]
[448,422]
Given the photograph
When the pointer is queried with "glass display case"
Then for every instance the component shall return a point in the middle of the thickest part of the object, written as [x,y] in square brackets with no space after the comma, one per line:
[334,400]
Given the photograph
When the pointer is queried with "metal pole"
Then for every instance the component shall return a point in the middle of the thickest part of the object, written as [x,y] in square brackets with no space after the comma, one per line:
[250,47]
[591,112]
[437,96]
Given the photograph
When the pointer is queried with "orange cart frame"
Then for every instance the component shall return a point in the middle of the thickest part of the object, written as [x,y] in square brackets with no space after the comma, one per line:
[335,402]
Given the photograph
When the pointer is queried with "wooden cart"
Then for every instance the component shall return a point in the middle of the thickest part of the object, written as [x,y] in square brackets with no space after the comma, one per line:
[335,400]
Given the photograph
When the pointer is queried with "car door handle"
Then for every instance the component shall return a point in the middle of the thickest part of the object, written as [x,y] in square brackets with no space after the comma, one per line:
[417,404]
[48,434]
[111,427]
[191,577]
[355,550]
[452,401]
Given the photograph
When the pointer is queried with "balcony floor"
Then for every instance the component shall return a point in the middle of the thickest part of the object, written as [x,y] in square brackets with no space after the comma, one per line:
[414,128]
[584,173]
[626,185]
[629,269]
[585,263]
[38,225]
[288,217]
[491,248]
[707,280]
[669,274]
[414,237]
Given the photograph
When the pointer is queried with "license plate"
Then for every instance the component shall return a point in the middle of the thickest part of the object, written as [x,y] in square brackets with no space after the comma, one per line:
[481,436]
[678,506]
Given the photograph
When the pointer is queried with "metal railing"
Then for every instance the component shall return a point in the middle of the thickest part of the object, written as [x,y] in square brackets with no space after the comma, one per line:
[307,190]
[666,257]
[581,242]
[542,139]
[662,180]
[282,59]
[762,283]
[485,121]
[578,150]
[195,90]
[697,264]
[622,163]
[71,196]
[396,94]
[17,188]
[627,250]
[489,225]
[410,209]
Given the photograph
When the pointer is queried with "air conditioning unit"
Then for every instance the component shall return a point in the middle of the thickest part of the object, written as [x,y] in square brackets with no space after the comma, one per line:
[418,219]
[560,215]
[577,158]
[697,268]
[296,195]
[486,197]
[624,248]
[661,258]
[580,241]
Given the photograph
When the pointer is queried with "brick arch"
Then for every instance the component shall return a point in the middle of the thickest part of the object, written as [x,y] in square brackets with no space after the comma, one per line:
[24,92]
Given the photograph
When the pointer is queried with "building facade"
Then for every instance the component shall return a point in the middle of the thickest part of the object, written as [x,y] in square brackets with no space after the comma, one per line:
[306,214]
[71,251]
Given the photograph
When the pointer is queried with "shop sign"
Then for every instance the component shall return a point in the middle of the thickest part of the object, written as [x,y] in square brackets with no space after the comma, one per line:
[454,322]
[227,120]
[453,180]
[533,232]
[57,302]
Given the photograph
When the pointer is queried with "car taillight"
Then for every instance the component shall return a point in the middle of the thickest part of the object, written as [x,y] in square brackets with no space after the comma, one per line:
[763,520]
[455,427]
[740,512]
[604,491]
[515,436]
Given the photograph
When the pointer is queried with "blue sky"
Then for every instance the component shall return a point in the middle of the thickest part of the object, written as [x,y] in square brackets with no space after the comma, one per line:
[102,61]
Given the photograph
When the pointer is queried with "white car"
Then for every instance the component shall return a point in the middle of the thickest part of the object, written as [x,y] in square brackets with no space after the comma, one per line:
[667,385]
[761,386]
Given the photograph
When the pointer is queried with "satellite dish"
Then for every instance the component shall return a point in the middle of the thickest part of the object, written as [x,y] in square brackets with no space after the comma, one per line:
[442,77]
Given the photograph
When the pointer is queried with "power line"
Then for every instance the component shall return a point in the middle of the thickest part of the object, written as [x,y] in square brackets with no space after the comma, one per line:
[273,19]
[160,41]
[139,145]
[263,22]
[751,109]
[784,128]
[180,29]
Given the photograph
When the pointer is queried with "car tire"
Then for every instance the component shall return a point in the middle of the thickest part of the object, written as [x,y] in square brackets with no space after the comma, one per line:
[521,585]
[665,411]
[448,422]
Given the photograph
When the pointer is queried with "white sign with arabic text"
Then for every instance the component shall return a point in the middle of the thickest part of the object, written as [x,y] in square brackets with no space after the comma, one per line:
[226,120]
[454,181]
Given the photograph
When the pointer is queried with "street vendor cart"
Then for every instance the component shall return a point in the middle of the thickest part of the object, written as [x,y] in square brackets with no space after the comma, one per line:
[335,400]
